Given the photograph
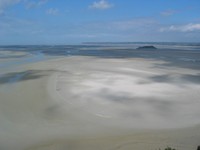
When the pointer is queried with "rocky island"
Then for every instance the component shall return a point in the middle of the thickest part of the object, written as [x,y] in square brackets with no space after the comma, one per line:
[147,47]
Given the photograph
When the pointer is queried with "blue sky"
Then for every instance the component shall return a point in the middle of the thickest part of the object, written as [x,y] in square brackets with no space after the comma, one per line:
[77,21]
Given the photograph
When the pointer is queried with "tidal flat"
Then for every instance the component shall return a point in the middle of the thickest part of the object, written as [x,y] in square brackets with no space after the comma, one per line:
[84,99]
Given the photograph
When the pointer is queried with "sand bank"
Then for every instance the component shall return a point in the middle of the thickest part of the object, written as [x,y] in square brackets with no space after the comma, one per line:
[131,93]
[95,103]
[127,104]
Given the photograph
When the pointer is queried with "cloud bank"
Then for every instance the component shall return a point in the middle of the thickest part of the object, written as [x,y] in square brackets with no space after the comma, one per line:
[28,4]
[33,4]
[182,28]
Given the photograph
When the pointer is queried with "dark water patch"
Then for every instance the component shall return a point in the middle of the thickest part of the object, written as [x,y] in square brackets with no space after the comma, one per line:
[180,64]
[14,77]
[27,75]
[17,77]
[11,56]
[178,79]
[192,78]
[162,78]
[34,57]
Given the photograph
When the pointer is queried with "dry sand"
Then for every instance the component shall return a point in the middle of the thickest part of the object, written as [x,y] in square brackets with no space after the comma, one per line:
[89,103]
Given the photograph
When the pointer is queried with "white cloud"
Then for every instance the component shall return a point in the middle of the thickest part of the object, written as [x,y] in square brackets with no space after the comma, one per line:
[182,28]
[52,11]
[6,3]
[102,4]
[32,4]
[28,3]
[168,13]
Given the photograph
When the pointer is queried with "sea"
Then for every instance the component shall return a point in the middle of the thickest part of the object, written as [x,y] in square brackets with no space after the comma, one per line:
[181,54]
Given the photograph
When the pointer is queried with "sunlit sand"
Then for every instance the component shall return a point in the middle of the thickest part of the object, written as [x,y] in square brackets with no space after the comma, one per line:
[130,93]
[83,103]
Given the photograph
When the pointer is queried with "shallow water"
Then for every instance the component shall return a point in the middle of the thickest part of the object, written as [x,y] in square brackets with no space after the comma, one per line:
[21,59]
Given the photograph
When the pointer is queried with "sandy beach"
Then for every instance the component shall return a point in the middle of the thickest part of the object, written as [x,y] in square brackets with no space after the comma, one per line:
[89,103]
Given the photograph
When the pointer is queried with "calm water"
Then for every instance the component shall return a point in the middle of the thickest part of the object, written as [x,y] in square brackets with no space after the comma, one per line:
[181,54]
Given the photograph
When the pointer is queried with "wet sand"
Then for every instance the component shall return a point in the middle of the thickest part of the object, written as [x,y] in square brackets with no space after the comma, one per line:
[96,103]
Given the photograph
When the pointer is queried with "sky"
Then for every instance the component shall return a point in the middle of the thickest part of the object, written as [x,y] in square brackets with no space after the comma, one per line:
[32,22]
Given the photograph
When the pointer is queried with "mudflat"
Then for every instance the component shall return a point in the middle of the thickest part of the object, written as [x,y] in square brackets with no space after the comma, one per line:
[82,102]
